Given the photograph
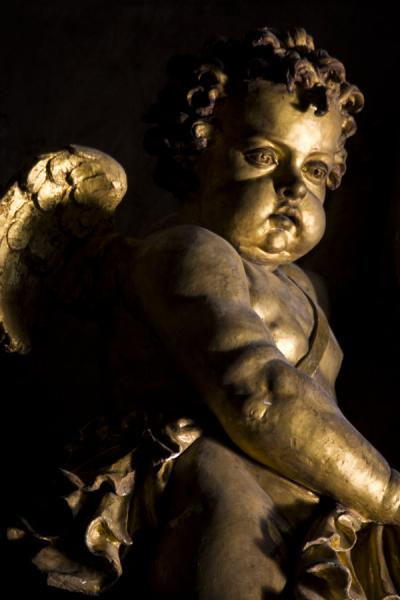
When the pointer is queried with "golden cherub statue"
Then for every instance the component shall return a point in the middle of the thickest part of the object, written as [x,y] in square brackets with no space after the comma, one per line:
[226,442]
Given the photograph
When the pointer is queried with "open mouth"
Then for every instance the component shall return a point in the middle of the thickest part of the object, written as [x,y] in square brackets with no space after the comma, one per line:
[287,219]
[291,213]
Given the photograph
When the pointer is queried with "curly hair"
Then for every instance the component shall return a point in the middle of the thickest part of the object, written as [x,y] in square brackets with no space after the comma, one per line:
[183,116]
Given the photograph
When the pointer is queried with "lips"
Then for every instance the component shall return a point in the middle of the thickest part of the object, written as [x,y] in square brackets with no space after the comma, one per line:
[287,218]
[291,213]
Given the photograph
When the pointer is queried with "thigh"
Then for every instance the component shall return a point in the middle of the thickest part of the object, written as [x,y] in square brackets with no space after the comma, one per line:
[221,535]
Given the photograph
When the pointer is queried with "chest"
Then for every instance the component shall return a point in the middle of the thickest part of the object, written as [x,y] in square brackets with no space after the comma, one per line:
[284,308]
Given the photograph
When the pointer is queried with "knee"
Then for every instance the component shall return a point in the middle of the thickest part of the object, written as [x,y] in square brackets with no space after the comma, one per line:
[220,526]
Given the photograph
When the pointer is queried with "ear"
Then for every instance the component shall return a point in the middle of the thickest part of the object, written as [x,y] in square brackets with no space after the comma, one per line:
[338,170]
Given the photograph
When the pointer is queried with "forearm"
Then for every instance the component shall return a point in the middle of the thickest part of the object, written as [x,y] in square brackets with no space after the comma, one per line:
[295,428]
[193,287]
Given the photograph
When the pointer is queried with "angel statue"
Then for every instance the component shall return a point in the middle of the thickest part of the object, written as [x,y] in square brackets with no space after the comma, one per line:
[216,454]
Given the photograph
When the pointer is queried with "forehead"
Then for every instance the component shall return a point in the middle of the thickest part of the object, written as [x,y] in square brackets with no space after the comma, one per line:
[268,111]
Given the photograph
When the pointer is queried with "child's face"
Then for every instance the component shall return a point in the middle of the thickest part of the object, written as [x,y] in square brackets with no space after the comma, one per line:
[263,179]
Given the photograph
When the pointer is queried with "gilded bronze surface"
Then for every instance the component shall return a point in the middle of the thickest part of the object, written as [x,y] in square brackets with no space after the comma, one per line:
[231,450]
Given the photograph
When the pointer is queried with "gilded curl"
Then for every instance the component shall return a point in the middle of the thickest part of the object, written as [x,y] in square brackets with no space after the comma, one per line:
[184,119]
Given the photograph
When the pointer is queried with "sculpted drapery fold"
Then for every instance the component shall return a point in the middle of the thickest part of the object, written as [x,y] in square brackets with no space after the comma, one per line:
[212,338]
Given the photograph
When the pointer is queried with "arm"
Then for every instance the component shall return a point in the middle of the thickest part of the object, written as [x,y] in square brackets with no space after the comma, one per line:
[193,287]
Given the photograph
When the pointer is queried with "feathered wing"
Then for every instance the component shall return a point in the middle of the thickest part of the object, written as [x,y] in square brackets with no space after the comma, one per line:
[56,253]
[61,263]
[57,214]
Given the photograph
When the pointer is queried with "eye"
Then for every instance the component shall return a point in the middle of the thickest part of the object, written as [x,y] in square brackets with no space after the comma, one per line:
[316,171]
[262,158]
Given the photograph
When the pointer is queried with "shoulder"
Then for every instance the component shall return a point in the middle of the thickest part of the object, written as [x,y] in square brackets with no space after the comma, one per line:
[187,262]
[301,278]
[189,239]
[188,250]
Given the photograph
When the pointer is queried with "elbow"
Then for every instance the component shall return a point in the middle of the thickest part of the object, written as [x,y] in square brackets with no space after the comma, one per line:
[251,404]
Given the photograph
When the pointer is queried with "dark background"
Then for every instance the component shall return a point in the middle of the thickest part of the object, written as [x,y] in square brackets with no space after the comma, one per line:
[84,72]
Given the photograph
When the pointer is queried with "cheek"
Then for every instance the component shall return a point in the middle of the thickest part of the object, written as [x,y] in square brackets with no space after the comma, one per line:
[314,220]
[253,201]
[257,195]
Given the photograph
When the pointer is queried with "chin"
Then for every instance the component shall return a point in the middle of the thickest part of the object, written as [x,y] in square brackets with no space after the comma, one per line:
[269,259]
[273,259]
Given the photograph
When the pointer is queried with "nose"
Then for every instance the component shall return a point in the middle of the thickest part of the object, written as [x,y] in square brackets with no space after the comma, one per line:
[293,189]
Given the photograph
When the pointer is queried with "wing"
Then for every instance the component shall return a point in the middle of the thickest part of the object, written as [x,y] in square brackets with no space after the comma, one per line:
[58,248]
[55,222]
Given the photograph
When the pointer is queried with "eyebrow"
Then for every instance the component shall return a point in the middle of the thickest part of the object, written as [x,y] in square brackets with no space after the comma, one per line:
[259,137]
[253,133]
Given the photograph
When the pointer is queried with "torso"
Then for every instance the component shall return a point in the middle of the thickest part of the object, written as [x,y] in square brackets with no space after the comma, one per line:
[284,303]
[287,310]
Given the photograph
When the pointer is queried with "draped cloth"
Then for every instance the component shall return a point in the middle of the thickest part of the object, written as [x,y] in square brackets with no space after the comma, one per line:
[109,496]
[343,557]
[346,558]
[116,475]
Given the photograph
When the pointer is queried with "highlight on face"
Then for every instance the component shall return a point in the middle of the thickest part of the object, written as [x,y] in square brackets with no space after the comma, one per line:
[262,182]
[185,118]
